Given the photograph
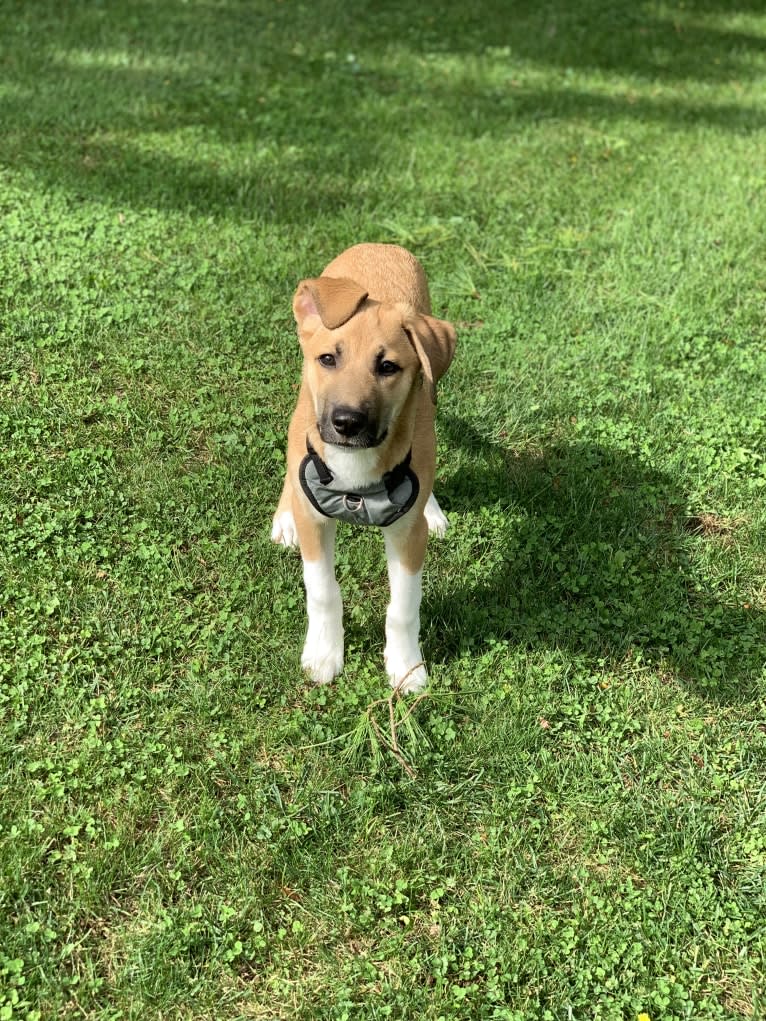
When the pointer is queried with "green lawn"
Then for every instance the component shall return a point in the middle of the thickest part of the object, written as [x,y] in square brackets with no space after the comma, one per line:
[572,825]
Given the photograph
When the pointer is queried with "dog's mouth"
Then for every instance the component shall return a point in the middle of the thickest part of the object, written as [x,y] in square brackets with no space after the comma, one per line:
[365,439]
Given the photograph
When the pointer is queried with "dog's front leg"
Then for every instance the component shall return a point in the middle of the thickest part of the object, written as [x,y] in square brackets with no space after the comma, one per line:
[405,552]
[322,655]
[283,528]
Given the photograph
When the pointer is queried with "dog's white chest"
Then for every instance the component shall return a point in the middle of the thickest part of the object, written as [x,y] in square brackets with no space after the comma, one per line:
[352,469]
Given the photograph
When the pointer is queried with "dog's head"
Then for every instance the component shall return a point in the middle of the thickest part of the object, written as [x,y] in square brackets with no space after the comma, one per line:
[364,358]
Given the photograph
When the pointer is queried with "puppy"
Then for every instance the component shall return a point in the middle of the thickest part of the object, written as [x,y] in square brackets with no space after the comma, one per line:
[361,445]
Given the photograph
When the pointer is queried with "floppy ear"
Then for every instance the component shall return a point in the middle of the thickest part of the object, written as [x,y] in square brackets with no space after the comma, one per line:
[333,299]
[434,341]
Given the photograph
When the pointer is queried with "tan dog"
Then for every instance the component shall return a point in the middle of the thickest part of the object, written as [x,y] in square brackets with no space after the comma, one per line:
[361,443]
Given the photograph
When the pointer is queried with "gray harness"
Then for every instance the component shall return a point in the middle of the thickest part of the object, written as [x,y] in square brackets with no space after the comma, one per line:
[379,504]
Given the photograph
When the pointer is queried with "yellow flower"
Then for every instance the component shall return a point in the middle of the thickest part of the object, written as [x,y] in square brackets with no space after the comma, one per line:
[643,1017]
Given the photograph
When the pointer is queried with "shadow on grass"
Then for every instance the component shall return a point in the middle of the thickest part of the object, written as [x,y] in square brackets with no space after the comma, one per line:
[93,97]
[638,40]
[588,549]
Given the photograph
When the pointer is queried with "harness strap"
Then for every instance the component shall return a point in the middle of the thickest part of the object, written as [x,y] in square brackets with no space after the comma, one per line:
[398,473]
[324,474]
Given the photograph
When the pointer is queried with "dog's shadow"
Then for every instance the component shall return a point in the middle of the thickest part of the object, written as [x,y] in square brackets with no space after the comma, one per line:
[587,548]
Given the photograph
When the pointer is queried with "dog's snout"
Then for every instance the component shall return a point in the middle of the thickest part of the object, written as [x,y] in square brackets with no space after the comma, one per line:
[348,421]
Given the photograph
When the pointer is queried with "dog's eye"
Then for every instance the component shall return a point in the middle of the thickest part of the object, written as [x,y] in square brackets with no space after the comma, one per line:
[327,360]
[388,369]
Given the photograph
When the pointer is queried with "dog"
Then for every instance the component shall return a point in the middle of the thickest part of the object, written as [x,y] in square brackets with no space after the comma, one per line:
[361,445]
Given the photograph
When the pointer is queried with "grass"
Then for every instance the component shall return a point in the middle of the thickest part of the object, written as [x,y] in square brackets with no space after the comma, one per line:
[572,824]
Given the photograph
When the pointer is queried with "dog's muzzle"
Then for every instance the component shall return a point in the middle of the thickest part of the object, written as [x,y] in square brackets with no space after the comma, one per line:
[344,426]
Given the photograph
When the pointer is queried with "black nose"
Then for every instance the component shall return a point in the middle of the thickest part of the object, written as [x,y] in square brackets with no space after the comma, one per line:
[348,421]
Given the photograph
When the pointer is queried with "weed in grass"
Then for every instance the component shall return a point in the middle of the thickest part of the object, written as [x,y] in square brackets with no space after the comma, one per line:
[387,736]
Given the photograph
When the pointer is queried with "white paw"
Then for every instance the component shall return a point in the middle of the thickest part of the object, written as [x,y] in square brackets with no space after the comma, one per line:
[283,529]
[323,652]
[322,664]
[405,675]
[435,517]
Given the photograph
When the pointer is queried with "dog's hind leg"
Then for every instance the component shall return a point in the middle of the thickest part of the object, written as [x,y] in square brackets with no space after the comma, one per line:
[435,517]
[405,551]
